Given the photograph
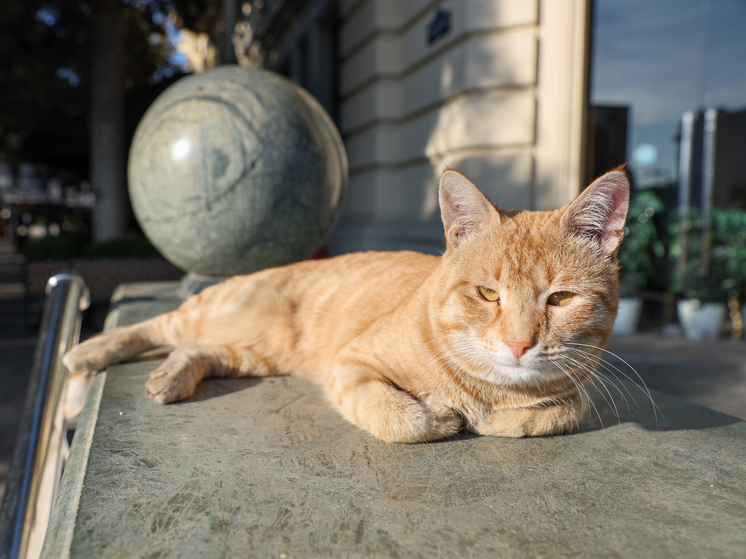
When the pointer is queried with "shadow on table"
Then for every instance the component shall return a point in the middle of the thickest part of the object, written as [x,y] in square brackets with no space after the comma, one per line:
[217,387]
[626,402]
[623,402]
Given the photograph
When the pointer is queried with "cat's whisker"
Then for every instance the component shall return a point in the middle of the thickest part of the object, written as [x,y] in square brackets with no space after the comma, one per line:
[581,390]
[609,368]
[456,347]
[569,374]
[594,379]
[646,390]
[605,382]
[593,376]
[450,356]
[451,344]
[444,352]
[440,338]
[461,349]
[609,379]
[613,355]
[604,378]
[593,364]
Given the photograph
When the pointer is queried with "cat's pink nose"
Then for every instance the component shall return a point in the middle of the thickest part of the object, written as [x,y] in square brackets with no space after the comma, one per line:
[519,347]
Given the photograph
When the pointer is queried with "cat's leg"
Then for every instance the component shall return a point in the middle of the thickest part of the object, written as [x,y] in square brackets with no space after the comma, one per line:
[552,417]
[375,404]
[179,375]
[114,346]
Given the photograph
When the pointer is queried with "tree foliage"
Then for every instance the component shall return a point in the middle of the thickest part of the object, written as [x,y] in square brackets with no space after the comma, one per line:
[45,46]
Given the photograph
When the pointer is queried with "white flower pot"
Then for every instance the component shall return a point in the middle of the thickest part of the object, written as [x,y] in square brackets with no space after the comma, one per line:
[701,321]
[627,316]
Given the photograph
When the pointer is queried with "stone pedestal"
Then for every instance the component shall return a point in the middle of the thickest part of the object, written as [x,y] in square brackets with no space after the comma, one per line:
[235,170]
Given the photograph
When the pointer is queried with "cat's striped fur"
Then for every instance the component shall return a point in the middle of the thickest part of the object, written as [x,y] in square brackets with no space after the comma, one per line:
[413,347]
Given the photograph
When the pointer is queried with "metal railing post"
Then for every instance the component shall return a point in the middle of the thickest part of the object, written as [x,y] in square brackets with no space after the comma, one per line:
[41,445]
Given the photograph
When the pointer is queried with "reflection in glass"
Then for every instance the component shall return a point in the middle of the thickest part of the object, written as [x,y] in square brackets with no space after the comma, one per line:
[659,60]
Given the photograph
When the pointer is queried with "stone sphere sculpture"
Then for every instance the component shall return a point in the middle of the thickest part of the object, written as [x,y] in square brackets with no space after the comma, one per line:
[236,170]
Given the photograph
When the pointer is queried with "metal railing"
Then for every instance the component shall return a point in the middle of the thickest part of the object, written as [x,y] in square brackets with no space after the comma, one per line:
[41,447]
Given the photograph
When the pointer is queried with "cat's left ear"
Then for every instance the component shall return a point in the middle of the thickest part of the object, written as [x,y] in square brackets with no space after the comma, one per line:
[601,210]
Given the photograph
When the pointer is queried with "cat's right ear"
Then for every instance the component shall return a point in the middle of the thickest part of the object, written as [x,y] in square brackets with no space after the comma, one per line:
[463,207]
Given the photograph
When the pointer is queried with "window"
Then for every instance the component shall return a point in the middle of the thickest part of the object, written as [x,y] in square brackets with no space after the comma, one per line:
[658,68]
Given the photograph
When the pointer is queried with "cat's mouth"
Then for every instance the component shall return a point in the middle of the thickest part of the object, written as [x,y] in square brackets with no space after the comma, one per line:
[500,367]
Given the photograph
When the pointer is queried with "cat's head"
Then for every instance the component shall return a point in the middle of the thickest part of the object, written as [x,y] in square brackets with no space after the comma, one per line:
[529,295]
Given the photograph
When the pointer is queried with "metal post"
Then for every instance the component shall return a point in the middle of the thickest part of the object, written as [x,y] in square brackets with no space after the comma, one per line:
[36,469]
[708,177]
[686,146]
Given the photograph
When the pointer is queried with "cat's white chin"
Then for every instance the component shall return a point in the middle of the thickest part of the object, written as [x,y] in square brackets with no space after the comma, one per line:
[520,372]
[517,374]
[514,374]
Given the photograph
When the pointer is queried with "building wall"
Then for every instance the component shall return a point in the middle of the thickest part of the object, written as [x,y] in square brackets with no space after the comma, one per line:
[500,97]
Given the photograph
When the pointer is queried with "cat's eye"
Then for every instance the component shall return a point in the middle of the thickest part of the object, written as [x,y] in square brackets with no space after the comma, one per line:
[560,298]
[489,295]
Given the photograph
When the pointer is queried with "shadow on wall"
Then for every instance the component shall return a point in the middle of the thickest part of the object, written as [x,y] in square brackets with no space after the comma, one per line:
[486,136]
[473,109]
[485,128]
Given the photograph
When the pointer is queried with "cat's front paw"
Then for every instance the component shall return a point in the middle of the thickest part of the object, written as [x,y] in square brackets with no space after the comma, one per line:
[425,420]
[171,382]
[88,357]
[536,421]
[442,421]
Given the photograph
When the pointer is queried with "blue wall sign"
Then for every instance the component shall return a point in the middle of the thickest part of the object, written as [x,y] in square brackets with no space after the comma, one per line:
[439,26]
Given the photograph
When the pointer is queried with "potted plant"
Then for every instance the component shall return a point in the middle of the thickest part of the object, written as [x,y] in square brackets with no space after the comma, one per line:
[731,227]
[637,257]
[710,268]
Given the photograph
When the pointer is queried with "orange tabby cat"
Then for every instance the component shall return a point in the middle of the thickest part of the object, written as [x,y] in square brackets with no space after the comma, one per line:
[498,335]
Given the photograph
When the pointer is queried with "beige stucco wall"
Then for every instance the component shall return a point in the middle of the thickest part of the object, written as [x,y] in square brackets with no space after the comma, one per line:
[500,97]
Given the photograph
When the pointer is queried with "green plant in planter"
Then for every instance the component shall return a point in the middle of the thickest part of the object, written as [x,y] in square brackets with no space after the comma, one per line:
[729,228]
[642,245]
[715,267]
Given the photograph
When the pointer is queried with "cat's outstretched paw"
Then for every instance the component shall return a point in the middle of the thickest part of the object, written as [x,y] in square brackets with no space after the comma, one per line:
[171,382]
[75,395]
[90,356]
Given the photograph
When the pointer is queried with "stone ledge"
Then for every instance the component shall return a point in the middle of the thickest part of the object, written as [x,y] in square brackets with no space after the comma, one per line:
[263,468]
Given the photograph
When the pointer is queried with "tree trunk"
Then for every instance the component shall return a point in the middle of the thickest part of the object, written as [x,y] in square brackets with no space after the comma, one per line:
[107,150]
